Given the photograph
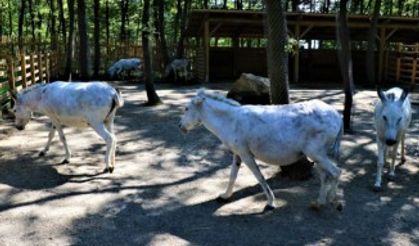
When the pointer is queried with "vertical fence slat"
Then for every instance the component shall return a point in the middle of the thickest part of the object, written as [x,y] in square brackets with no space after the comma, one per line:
[11,74]
[40,68]
[23,69]
[32,62]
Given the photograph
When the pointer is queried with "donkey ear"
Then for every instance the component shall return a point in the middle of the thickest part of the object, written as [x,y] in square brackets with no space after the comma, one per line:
[198,101]
[381,95]
[404,94]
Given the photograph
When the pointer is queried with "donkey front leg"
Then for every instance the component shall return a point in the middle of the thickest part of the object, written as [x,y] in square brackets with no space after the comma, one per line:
[382,151]
[110,145]
[64,141]
[233,176]
[251,164]
[51,135]
[391,175]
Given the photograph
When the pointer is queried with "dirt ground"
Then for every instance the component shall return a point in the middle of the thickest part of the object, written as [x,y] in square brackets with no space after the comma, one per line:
[164,186]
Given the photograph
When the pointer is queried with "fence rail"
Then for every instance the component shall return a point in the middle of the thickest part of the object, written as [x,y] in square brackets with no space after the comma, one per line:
[402,64]
[23,70]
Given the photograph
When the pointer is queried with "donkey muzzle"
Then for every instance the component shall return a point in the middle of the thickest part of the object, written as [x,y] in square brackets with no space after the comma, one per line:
[391,142]
[20,128]
[182,128]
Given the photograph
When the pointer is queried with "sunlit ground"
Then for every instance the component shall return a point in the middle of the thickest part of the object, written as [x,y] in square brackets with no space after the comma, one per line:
[164,185]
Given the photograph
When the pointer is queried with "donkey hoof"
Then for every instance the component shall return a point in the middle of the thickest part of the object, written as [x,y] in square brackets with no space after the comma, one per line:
[402,161]
[268,208]
[377,188]
[65,161]
[111,169]
[222,200]
[41,154]
[391,178]
[314,206]
[339,206]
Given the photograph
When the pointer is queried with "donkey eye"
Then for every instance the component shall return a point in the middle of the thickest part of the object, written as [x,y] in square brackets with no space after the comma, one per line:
[186,109]
[398,121]
[385,118]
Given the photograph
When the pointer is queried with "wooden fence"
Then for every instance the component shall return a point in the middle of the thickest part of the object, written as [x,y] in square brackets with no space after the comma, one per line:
[17,72]
[402,64]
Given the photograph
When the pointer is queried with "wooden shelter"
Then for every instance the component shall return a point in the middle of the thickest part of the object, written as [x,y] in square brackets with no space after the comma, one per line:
[206,24]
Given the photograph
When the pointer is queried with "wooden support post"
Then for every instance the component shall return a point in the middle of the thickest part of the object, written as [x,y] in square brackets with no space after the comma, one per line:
[398,61]
[32,61]
[415,65]
[47,66]
[381,53]
[206,49]
[297,54]
[40,68]
[23,69]
[11,76]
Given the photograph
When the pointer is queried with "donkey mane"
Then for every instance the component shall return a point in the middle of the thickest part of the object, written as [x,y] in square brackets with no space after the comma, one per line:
[31,88]
[217,97]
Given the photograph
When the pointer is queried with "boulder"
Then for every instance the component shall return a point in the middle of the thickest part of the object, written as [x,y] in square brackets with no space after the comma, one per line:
[250,89]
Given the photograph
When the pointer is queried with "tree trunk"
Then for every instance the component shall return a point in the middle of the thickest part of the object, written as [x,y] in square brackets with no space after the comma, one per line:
[53,22]
[277,56]
[345,61]
[62,20]
[32,15]
[96,63]
[176,22]
[370,56]
[84,58]
[152,96]
[70,42]
[124,12]
[180,51]
[159,6]
[20,23]
[278,75]
[107,23]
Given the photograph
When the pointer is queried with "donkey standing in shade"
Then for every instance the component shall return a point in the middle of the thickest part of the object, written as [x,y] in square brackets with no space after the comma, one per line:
[392,117]
[277,135]
[73,104]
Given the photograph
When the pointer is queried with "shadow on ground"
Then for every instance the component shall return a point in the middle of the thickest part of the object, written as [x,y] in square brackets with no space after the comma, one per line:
[164,187]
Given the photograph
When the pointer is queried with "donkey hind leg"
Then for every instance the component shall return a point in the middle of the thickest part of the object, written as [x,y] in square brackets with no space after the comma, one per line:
[64,141]
[402,154]
[382,151]
[51,136]
[233,176]
[110,145]
[324,188]
[110,127]
[251,164]
[330,179]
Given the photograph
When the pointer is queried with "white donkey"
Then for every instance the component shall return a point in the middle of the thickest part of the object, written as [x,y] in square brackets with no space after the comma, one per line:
[277,135]
[73,104]
[124,65]
[393,114]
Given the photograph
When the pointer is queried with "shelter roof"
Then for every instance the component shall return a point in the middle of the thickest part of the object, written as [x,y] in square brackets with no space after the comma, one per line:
[250,24]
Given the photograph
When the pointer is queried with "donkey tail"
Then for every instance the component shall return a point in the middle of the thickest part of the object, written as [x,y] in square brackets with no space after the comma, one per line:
[335,148]
[118,100]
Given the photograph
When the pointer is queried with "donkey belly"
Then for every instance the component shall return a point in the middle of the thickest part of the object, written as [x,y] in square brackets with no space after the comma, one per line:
[277,155]
[78,122]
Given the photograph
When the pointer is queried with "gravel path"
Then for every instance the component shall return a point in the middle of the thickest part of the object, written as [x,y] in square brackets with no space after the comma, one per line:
[164,185]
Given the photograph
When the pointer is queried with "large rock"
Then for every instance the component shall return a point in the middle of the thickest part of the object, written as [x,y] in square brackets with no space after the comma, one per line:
[250,89]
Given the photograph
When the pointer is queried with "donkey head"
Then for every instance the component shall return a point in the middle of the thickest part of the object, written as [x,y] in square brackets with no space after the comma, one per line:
[22,112]
[191,117]
[392,115]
